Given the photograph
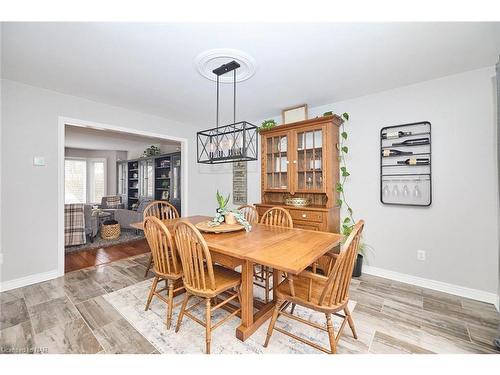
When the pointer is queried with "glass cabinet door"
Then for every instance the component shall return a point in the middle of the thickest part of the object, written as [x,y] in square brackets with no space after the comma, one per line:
[121,178]
[309,176]
[147,178]
[175,192]
[277,171]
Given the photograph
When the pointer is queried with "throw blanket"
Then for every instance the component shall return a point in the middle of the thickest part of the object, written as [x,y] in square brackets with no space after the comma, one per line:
[74,224]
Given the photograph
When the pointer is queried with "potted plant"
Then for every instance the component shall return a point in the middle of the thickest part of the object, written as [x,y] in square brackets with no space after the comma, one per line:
[224,215]
[267,124]
[151,151]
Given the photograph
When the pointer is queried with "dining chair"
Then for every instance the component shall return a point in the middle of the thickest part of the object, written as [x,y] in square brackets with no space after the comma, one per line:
[203,279]
[167,265]
[325,294]
[279,217]
[163,211]
[249,213]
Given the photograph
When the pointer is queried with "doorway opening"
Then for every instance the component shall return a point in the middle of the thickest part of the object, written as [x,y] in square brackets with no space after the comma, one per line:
[107,176]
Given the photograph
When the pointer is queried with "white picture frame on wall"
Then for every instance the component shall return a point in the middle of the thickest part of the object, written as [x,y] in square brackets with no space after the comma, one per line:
[294,114]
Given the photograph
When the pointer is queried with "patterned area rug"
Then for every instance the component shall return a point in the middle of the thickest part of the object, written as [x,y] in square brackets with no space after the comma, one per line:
[125,236]
[130,303]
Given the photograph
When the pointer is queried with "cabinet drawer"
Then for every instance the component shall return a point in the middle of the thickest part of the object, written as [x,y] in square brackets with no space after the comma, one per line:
[306,225]
[306,215]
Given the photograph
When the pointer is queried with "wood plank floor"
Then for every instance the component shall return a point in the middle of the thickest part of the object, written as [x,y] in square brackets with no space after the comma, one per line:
[70,315]
[91,258]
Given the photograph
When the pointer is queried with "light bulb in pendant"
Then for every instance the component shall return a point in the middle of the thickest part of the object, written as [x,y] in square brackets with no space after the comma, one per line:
[406,191]
[385,191]
[416,192]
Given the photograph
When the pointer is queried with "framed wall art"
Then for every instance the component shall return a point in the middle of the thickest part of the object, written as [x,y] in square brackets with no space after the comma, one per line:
[294,114]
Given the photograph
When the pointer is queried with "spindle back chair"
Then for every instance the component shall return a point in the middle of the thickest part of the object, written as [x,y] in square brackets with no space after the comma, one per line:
[167,265]
[250,213]
[275,216]
[163,211]
[326,294]
[203,279]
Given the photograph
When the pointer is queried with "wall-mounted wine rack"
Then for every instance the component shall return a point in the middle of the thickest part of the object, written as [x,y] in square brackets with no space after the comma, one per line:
[406,165]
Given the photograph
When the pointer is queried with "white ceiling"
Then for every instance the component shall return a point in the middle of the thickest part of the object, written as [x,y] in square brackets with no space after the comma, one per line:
[149,67]
[93,139]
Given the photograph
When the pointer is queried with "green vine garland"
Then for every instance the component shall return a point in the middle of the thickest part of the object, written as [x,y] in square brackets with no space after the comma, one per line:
[348,222]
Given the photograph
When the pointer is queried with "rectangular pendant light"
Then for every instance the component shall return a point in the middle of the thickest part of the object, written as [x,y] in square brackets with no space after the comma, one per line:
[229,143]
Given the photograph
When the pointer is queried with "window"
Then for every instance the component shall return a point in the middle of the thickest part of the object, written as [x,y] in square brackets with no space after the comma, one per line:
[75,181]
[97,181]
[84,180]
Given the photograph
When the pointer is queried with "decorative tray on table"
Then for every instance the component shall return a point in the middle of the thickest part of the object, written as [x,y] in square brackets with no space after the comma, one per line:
[205,226]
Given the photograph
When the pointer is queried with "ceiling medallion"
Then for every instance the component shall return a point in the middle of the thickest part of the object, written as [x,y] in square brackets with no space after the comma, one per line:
[209,60]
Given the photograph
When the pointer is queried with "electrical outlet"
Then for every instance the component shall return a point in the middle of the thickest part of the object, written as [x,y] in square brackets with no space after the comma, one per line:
[421,254]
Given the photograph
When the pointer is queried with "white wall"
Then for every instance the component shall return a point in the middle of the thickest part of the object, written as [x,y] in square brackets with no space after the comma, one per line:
[460,230]
[29,194]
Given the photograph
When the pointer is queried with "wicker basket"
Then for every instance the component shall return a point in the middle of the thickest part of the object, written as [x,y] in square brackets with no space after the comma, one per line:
[110,232]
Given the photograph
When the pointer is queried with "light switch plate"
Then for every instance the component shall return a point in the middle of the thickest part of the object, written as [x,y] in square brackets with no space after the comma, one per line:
[38,161]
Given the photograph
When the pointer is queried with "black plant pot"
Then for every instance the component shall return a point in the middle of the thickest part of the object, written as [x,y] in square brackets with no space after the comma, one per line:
[358,266]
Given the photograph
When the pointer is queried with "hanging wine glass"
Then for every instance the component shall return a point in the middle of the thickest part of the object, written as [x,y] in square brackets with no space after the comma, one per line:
[395,191]
[406,191]
[385,191]
[416,192]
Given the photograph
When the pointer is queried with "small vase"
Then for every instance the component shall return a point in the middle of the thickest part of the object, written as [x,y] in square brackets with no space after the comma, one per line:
[229,218]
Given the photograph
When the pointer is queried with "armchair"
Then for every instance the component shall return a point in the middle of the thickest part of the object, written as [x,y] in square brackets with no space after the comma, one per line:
[126,217]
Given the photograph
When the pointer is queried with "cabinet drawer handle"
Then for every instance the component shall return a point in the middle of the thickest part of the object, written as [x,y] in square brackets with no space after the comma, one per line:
[304,215]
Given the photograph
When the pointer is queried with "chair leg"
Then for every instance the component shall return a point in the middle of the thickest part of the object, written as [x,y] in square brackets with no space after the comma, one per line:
[181,313]
[351,322]
[208,326]
[170,302]
[266,283]
[273,321]
[150,264]
[152,292]
[293,308]
[331,334]
[238,291]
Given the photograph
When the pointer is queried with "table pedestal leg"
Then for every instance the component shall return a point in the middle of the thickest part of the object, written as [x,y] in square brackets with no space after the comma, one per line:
[250,322]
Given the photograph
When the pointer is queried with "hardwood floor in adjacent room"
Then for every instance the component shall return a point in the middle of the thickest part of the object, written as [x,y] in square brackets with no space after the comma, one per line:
[90,258]
[70,314]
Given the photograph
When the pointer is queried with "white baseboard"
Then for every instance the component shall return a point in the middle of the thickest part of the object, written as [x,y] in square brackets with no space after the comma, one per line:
[440,286]
[28,280]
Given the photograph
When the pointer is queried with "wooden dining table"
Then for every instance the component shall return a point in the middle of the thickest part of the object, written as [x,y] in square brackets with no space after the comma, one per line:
[282,249]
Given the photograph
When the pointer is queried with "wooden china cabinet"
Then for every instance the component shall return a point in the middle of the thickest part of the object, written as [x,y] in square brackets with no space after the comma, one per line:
[301,160]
